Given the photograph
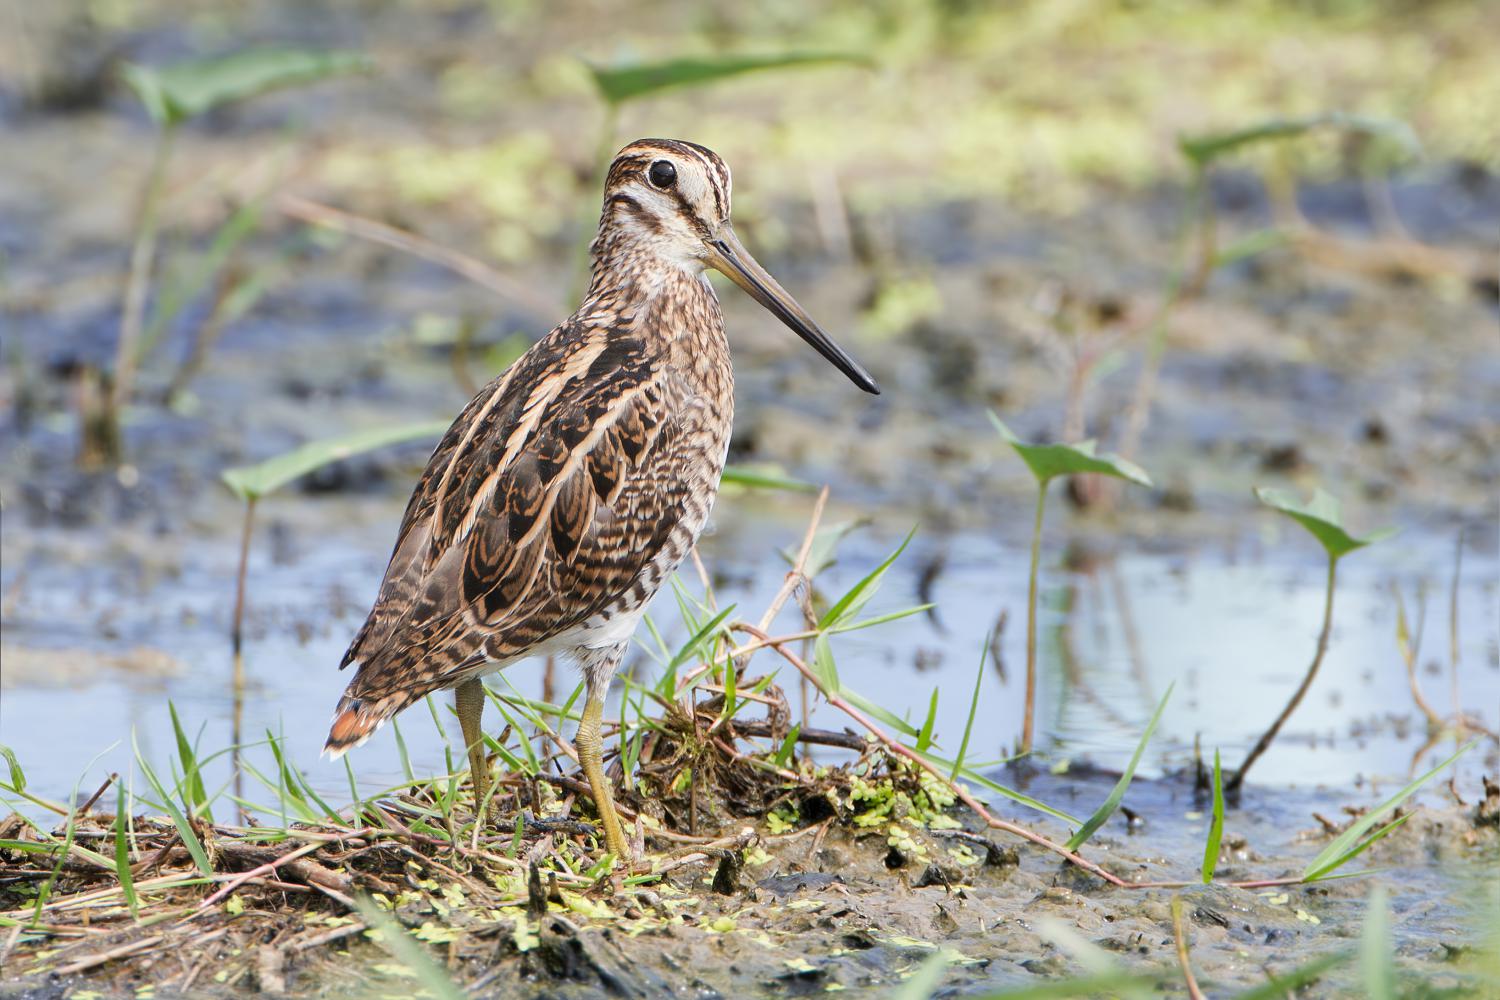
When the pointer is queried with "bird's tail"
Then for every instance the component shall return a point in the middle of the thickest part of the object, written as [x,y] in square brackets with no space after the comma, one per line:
[356,719]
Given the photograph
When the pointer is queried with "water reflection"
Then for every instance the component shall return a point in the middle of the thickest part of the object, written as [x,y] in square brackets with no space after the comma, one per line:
[1234,630]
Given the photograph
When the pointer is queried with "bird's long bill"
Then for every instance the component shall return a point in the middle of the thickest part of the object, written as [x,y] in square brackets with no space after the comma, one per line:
[728,255]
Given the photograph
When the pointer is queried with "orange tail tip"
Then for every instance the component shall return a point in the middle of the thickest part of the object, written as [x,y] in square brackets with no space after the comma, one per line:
[351,727]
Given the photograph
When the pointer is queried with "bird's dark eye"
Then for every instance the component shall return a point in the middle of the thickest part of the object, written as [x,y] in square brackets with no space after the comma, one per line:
[662,174]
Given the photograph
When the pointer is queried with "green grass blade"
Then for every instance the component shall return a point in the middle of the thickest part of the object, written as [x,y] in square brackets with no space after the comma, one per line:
[963,747]
[184,828]
[17,776]
[1343,847]
[788,746]
[881,619]
[1215,828]
[1358,849]
[194,797]
[122,856]
[391,936]
[847,607]
[1105,811]
[885,715]
[691,649]
[618,84]
[62,856]
[823,665]
[969,774]
[765,479]
[1377,971]
[401,751]
[256,481]
[1287,984]
[924,736]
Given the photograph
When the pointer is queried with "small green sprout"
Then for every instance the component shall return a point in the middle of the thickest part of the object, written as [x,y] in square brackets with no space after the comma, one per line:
[1047,462]
[1320,516]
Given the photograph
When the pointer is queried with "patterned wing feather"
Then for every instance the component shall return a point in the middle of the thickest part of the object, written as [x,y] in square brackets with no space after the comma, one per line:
[551,500]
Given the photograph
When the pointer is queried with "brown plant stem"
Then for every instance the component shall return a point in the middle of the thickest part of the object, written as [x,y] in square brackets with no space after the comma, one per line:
[378,232]
[237,649]
[1028,724]
[1264,743]
[1179,935]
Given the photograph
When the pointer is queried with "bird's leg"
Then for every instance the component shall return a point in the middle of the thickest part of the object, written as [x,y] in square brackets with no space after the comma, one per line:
[598,667]
[468,699]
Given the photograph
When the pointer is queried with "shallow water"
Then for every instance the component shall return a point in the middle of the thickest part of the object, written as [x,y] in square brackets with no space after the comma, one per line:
[1231,624]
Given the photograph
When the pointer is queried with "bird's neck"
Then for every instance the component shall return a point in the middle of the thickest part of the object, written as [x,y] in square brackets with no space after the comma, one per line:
[663,302]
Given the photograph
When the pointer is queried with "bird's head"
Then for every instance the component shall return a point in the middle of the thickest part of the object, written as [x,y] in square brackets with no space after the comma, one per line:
[667,201]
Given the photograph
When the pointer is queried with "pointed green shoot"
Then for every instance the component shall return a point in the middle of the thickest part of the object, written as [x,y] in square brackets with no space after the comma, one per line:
[251,482]
[1216,826]
[1107,809]
[194,796]
[185,829]
[764,478]
[17,776]
[848,607]
[924,735]
[122,854]
[1320,516]
[1348,845]
[1047,461]
[174,94]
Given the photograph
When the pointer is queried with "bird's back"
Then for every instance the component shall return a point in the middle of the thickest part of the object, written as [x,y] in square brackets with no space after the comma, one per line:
[559,500]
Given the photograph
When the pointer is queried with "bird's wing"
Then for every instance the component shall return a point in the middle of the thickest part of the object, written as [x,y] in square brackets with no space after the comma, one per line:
[542,505]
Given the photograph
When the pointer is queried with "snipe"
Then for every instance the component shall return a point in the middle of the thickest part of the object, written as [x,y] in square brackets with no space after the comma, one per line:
[574,484]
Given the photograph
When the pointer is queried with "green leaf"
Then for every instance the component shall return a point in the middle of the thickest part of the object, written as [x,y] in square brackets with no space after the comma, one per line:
[1342,848]
[848,606]
[963,746]
[823,666]
[122,855]
[694,646]
[821,553]
[194,796]
[185,829]
[880,619]
[391,936]
[1320,515]
[1112,803]
[1049,460]
[1216,828]
[173,94]
[251,482]
[764,478]
[17,776]
[1203,149]
[788,745]
[924,737]
[1377,970]
[1280,987]
[885,715]
[619,84]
